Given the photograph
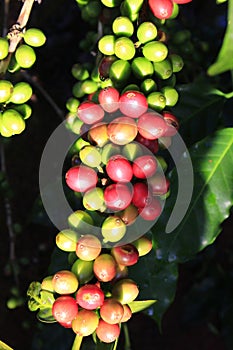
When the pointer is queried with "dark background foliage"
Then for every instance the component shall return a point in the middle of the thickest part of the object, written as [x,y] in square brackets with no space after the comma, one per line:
[201,315]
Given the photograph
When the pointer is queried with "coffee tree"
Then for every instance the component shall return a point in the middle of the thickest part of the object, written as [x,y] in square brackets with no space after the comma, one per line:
[145,161]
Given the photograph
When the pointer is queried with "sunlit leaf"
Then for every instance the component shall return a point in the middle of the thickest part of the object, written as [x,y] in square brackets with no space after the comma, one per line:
[224,62]
[212,199]
[4,346]
[140,305]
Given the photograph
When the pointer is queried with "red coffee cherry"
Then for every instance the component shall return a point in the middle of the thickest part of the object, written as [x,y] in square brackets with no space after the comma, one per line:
[107,332]
[151,125]
[141,195]
[108,98]
[111,311]
[152,210]
[90,297]
[90,112]
[117,196]
[133,104]
[119,169]
[172,124]
[125,291]
[127,313]
[64,309]
[125,255]
[81,178]
[161,9]
[105,267]
[144,166]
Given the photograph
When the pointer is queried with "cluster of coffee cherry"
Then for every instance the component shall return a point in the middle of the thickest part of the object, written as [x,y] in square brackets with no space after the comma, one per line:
[14,109]
[95,295]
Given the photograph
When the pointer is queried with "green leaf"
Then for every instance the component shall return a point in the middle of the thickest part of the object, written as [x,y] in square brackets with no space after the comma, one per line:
[157,280]
[45,315]
[140,305]
[211,202]
[34,289]
[199,110]
[4,346]
[224,62]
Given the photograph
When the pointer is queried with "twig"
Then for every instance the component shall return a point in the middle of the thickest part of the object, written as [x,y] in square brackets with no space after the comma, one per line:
[14,34]
[44,93]
[5,17]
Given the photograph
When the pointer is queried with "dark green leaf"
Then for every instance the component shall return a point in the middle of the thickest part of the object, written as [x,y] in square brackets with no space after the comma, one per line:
[212,199]
[140,305]
[157,280]
[223,62]
[199,110]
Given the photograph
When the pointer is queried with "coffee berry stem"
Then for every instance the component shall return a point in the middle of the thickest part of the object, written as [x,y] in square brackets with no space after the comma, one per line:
[77,342]
[14,35]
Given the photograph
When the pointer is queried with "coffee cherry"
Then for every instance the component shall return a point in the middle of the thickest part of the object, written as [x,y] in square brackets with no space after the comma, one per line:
[4,47]
[127,313]
[122,26]
[148,85]
[22,92]
[6,90]
[134,6]
[90,297]
[108,151]
[125,291]
[111,3]
[126,255]
[124,48]
[122,130]
[171,122]
[90,156]
[122,272]
[119,72]
[111,311]
[142,67]
[98,134]
[64,309]
[106,45]
[130,87]
[163,69]
[129,214]
[108,98]
[152,210]
[80,220]
[47,283]
[93,199]
[24,109]
[152,145]
[117,196]
[105,268]
[177,62]
[146,31]
[155,51]
[144,166]
[151,125]
[66,240]
[65,282]
[181,1]
[79,72]
[143,245]
[119,169]
[133,104]
[171,95]
[141,194]
[34,37]
[104,66]
[25,56]
[113,229]
[158,184]
[12,121]
[90,112]
[156,101]
[89,86]
[83,270]
[85,323]
[81,178]
[106,332]
[161,9]
[88,247]
[132,150]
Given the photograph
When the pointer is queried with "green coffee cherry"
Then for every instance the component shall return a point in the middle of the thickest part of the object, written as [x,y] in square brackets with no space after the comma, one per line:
[25,56]
[4,47]
[22,93]
[148,86]
[142,68]
[111,3]
[79,72]
[177,62]
[156,100]
[124,48]
[171,95]
[6,90]
[83,270]
[77,90]
[106,45]
[122,26]
[146,32]
[155,51]
[72,104]
[24,109]
[119,72]
[89,86]
[67,240]
[163,69]
[13,121]
[34,37]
